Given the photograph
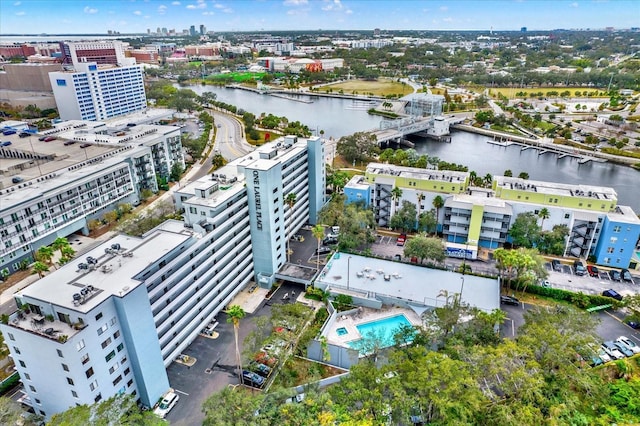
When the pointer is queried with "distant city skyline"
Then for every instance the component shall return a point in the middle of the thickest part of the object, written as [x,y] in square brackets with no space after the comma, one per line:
[136,16]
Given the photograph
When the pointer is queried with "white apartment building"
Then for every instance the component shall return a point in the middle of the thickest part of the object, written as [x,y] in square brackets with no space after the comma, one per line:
[71,186]
[98,92]
[112,320]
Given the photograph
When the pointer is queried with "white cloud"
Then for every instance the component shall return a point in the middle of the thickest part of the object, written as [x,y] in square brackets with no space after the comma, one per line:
[218,6]
[175,3]
[448,19]
[199,5]
[146,16]
[295,2]
[332,5]
[137,12]
[208,13]
[21,13]
[90,10]
[18,3]
[443,8]
[574,4]
[162,9]
[227,10]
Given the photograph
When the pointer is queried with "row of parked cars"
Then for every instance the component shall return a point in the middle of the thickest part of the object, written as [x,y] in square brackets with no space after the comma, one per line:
[621,348]
[580,269]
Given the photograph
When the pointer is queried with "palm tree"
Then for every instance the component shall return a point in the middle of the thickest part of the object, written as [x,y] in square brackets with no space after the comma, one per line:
[236,313]
[39,268]
[396,194]
[420,197]
[45,255]
[438,203]
[543,214]
[67,254]
[59,244]
[318,232]
[488,179]
[290,200]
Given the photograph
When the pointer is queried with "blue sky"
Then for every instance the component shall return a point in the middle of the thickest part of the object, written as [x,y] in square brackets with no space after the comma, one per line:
[130,16]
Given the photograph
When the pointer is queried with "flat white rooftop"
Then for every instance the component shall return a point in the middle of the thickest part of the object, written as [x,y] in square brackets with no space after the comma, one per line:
[415,173]
[412,283]
[113,274]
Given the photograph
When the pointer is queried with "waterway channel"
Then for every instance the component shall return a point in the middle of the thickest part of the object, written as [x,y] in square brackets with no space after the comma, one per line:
[340,117]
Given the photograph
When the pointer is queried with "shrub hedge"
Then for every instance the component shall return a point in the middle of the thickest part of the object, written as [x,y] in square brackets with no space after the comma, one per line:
[581,300]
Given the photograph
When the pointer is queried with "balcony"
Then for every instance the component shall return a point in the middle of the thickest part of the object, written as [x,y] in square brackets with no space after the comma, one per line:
[38,324]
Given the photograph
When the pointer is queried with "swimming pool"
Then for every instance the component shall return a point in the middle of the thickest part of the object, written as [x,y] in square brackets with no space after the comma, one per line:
[341,331]
[382,329]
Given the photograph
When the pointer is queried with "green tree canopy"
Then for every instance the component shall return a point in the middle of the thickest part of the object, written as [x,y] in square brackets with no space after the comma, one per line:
[358,147]
[424,247]
[525,231]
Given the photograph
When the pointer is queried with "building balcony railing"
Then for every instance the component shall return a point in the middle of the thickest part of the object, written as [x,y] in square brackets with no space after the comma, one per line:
[38,324]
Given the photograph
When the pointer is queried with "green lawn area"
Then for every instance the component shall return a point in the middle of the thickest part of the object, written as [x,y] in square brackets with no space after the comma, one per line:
[545,125]
[380,87]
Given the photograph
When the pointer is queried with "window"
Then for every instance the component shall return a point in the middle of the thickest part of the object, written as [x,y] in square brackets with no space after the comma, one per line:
[106,343]
[11,336]
[93,385]
[65,367]
[85,358]
[89,372]
[117,380]
[32,388]
[614,240]
[80,345]
[16,350]
[98,316]
[120,347]
[27,376]
[102,329]
[116,334]
[566,215]
[110,356]
[609,249]
[113,321]
[70,381]
[98,398]
[114,368]
[22,364]
[60,353]
[617,228]
[127,371]
[74,393]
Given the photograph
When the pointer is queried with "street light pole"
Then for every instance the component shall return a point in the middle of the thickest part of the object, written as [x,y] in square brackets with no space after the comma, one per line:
[348,270]
[461,287]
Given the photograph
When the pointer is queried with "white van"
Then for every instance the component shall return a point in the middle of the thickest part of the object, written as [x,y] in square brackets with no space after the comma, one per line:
[168,402]
[335,230]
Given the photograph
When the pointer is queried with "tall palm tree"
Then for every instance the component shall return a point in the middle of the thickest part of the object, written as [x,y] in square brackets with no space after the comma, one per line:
[543,214]
[45,255]
[438,203]
[488,179]
[420,197]
[59,244]
[290,201]
[236,313]
[396,194]
[67,254]
[318,232]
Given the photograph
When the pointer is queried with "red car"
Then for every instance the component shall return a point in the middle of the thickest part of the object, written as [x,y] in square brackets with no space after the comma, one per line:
[49,138]
[593,271]
[402,238]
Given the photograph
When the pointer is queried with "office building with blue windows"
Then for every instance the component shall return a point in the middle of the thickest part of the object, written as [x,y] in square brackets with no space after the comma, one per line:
[98,92]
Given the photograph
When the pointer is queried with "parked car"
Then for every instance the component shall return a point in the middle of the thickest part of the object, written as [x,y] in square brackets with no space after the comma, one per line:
[612,293]
[85,145]
[266,359]
[622,348]
[578,268]
[168,402]
[8,132]
[397,257]
[629,344]
[626,275]
[615,275]
[67,143]
[24,134]
[16,179]
[556,265]
[633,324]
[509,300]
[402,238]
[49,138]
[259,368]
[253,379]
[42,138]
[545,283]
[323,250]
[593,271]
[612,350]
[603,355]
[329,241]
[5,143]
[335,230]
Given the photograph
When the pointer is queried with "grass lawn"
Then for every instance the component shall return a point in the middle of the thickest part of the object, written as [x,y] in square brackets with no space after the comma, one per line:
[380,87]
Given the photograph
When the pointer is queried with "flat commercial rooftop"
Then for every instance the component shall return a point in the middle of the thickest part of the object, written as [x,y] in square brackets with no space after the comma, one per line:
[113,274]
[412,283]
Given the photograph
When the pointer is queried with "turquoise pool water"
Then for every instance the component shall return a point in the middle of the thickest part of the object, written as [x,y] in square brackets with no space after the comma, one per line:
[382,329]
[341,331]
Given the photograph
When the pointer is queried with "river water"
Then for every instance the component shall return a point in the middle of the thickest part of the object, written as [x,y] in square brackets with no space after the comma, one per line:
[341,117]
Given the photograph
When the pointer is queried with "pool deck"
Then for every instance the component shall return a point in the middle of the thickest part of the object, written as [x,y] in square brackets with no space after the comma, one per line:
[349,322]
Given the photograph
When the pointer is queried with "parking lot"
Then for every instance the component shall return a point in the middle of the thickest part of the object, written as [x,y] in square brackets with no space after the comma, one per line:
[215,366]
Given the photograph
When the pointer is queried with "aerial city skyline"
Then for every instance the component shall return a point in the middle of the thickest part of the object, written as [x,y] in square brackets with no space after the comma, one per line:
[130,16]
